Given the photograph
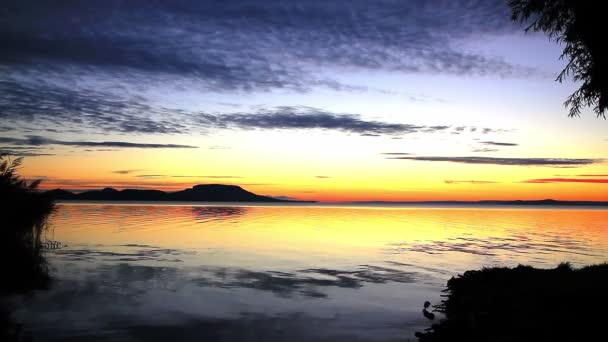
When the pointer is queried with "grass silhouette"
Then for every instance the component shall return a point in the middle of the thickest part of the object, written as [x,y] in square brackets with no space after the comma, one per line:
[23,216]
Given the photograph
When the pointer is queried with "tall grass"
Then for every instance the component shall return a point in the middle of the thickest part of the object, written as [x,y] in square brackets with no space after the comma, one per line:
[23,217]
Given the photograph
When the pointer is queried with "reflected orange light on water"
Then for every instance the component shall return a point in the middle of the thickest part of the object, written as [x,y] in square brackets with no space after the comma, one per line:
[435,237]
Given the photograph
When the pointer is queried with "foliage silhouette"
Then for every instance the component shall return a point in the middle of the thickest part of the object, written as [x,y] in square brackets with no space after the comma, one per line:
[523,304]
[23,214]
[576,24]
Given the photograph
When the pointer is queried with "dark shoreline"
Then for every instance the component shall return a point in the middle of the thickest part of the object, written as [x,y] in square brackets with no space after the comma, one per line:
[523,304]
[439,204]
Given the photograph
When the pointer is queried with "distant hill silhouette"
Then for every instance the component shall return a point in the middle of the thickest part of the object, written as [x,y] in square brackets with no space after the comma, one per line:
[198,193]
[544,202]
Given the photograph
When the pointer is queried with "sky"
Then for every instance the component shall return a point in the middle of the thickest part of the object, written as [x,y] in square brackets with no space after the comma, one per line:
[333,100]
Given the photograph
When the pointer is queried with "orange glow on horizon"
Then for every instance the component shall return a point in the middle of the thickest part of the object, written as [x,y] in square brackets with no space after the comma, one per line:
[340,181]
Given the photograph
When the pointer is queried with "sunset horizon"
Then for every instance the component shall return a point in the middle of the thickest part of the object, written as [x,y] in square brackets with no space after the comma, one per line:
[303,170]
[463,105]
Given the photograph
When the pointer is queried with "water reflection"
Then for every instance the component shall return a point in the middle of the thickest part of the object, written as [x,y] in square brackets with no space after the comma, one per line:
[145,272]
[205,214]
[495,246]
[120,253]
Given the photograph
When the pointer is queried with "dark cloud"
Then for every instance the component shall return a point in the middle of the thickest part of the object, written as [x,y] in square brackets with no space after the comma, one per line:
[323,177]
[125,172]
[287,117]
[459,129]
[551,162]
[29,104]
[566,180]
[211,41]
[66,109]
[77,64]
[450,181]
[301,117]
[497,143]
[285,198]
[487,130]
[187,176]
[152,176]
[438,128]
[396,154]
[34,140]
[23,153]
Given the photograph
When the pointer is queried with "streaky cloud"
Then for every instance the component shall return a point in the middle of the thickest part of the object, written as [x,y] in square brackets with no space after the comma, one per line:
[566,180]
[451,181]
[300,117]
[550,162]
[396,153]
[206,176]
[25,107]
[35,140]
[188,176]
[497,143]
[484,149]
[23,153]
[210,41]
[77,66]
[125,172]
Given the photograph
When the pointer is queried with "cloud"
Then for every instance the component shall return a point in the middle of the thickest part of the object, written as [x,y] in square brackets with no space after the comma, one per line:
[28,108]
[152,176]
[551,162]
[215,177]
[300,117]
[61,108]
[187,176]
[285,198]
[34,140]
[448,181]
[487,130]
[96,65]
[484,149]
[323,177]
[125,172]
[210,42]
[497,143]
[566,180]
[396,154]
[23,153]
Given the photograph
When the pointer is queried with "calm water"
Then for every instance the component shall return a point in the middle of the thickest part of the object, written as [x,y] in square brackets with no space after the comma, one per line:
[266,273]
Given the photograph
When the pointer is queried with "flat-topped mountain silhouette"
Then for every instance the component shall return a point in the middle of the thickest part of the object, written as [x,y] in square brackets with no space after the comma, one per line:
[198,193]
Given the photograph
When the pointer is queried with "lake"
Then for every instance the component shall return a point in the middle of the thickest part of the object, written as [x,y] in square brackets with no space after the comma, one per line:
[148,272]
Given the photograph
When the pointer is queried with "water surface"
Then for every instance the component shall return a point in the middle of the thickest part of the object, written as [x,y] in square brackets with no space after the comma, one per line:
[142,272]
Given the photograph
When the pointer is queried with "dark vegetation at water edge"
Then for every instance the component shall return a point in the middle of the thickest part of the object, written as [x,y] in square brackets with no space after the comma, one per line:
[23,214]
[524,304]
[198,193]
